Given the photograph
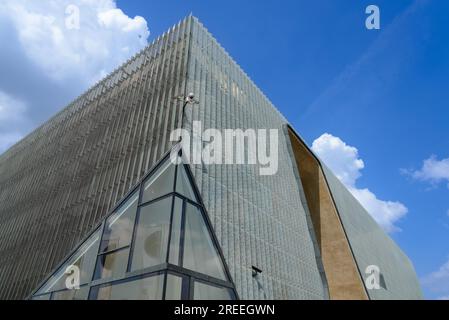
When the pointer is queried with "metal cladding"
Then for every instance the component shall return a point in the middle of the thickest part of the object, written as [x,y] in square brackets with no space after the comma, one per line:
[371,246]
[59,182]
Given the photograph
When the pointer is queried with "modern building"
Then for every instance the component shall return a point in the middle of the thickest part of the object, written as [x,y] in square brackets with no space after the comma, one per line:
[93,195]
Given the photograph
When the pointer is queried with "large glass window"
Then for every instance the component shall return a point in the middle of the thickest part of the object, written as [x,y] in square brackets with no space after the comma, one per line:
[203,291]
[173,289]
[200,253]
[160,182]
[119,226]
[144,236]
[112,265]
[149,288]
[150,247]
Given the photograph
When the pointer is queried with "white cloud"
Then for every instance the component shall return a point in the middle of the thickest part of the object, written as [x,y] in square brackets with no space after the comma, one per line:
[105,37]
[12,118]
[46,61]
[11,110]
[341,158]
[438,281]
[433,171]
[386,213]
[344,161]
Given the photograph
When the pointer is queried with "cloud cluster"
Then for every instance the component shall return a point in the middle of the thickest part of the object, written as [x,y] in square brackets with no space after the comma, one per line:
[341,158]
[433,171]
[344,161]
[54,50]
[103,38]
[12,117]
[438,281]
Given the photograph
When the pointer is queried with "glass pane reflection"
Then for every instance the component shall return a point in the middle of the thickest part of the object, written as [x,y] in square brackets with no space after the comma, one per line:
[159,183]
[200,253]
[204,291]
[173,289]
[151,241]
[112,265]
[119,226]
[149,288]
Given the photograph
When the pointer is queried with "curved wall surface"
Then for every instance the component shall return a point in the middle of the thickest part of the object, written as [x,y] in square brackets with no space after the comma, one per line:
[355,250]
[371,246]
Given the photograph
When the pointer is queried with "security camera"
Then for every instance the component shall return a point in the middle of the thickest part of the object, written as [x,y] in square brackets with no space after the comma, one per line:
[190,97]
[256,271]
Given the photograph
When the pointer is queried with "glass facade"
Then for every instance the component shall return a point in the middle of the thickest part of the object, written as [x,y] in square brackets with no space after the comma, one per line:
[156,244]
[204,291]
[61,177]
[83,259]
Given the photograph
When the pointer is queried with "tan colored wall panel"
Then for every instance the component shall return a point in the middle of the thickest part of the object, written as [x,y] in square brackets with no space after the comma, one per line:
[343,278]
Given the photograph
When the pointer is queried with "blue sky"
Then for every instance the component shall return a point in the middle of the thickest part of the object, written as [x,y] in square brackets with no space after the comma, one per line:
[380,95]
[385,92]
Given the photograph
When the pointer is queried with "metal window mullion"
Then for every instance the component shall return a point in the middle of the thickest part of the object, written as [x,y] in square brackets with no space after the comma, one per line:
[191,281]
[182,235]
[134,232]
[164,285]
[185,287]
[170,226]
[113,250]
[167,195]
[102,228]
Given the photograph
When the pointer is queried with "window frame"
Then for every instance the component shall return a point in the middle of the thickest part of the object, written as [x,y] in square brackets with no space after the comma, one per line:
[192,288]
[103,231]
[136,224]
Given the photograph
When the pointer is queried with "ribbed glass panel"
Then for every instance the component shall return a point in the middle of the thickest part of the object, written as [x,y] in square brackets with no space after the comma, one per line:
[66,175]
[63,178]
[259,220]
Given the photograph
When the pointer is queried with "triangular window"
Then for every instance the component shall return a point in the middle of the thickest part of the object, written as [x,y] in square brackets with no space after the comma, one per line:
[157,244]
[83,258]
[118,229]
[200,252]
[159,183]
[183,185]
